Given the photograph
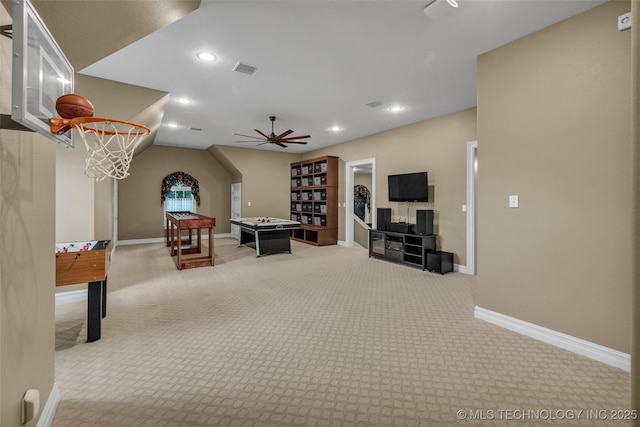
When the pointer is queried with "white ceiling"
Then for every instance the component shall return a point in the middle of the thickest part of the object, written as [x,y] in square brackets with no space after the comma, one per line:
[319,63]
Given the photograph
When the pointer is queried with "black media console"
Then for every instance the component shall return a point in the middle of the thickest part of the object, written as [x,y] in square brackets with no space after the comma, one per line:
[411,249]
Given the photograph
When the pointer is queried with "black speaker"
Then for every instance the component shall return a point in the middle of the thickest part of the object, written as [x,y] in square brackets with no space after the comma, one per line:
[424,222]
[384,218]
[440,262]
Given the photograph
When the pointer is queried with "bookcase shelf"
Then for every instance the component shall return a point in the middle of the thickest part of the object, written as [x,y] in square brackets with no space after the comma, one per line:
[314,200]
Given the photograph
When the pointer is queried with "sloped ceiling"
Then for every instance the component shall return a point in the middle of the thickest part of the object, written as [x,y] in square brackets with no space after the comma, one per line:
[88,31]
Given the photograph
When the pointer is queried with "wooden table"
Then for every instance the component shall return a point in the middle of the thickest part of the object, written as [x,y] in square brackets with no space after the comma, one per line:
[86,262]
[178,221]
[270,235]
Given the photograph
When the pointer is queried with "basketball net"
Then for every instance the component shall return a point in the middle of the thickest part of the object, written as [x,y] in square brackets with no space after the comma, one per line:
[110,144]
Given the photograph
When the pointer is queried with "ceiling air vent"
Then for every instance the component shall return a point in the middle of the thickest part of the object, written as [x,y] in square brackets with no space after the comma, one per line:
[245,68]
[374,104]
[195,129]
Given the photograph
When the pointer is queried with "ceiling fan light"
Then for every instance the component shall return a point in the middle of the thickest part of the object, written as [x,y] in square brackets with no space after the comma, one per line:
[453,3]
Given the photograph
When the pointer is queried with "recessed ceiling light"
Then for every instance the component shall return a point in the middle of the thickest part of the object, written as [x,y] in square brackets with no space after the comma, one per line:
[396,108]
[172,125]
[184,101]
[335,129]
[206,56]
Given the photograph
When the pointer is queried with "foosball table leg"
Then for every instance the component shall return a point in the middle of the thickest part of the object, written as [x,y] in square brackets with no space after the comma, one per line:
[94,311]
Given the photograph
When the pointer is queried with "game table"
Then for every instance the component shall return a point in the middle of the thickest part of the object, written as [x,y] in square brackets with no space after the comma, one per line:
[270,235]
[86,262]
[178,221]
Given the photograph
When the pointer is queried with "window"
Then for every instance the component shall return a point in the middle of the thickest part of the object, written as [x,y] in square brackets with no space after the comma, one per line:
[179,192]
[179,198]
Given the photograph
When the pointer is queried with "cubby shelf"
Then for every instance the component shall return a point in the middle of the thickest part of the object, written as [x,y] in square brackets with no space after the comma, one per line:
[314,200]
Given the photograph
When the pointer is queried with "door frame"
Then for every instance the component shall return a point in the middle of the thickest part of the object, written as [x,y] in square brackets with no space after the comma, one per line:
[472,206]
[350,179]
[236,186]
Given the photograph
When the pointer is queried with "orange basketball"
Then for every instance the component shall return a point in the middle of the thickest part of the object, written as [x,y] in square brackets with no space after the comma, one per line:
[72,105]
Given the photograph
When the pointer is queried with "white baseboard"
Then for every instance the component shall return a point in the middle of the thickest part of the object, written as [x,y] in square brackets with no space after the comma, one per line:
[579,346]
[71,296]
[460,268]
[141,241]
[163,239]
[49,410]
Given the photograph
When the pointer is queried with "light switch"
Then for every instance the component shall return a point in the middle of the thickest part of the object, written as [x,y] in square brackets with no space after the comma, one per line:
[513,201]
[248,203]
[464,208]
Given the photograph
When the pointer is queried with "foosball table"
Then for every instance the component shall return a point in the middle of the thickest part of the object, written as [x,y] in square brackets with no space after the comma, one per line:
[86,262]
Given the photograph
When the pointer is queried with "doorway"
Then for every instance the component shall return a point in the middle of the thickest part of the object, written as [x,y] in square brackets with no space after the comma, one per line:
[236,207]
[351,169]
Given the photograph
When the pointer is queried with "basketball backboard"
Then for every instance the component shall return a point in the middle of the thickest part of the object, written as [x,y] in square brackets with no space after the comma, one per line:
[41,73]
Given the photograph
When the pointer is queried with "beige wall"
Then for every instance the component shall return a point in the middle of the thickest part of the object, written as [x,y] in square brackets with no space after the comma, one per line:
[75,195]
[266,180]
[27,269]
[437,146]
[103,210]
[554,128]
[140,213]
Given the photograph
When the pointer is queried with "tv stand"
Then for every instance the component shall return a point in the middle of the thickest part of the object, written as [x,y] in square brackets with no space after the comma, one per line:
[410,249]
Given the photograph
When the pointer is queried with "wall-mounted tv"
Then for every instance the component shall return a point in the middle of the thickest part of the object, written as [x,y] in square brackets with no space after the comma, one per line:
[409,187]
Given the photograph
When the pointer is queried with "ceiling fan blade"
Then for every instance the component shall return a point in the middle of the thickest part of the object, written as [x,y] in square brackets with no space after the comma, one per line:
[262,143]
[248,136]
[283,134]
[253,141]
[261,133]
[295,142]
[280,144]
[296,137]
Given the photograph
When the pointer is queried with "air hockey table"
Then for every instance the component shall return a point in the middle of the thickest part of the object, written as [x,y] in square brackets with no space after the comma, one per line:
[270,235]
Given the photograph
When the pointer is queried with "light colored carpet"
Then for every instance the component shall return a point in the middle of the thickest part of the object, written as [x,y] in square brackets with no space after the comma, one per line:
[320,337]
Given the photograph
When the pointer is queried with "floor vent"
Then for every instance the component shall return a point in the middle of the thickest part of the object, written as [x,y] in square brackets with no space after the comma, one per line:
[245,68]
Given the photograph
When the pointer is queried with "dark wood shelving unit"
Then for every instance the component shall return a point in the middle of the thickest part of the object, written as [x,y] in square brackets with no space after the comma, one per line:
[314,200]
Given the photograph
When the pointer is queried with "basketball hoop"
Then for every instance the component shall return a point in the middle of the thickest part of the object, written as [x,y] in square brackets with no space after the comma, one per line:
[110,143]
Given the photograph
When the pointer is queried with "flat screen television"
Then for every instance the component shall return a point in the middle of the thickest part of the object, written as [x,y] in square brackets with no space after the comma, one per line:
[409,187]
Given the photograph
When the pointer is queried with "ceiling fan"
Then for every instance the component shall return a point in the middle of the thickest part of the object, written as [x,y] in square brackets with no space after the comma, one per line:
[280,140]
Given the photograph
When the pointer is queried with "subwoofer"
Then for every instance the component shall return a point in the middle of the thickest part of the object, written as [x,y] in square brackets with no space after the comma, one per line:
[424,221]
[383,219]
